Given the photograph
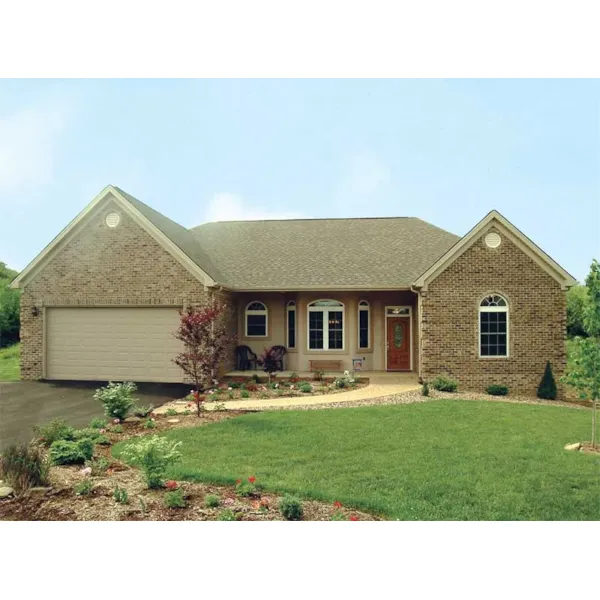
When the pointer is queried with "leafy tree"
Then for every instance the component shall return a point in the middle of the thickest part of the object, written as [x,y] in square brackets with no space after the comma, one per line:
[206,342]
[9,307]
[547,388]
[577,300]
[584,373]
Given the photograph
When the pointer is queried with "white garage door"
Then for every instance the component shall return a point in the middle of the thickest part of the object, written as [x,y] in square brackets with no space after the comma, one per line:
[133,344]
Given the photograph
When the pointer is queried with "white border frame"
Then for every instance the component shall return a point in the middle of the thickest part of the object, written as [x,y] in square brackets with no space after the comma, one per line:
[325,309]
[410,319]
[256,312]
[505,309]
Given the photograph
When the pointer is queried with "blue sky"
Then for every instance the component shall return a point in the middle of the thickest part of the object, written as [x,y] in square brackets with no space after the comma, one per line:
[447,151]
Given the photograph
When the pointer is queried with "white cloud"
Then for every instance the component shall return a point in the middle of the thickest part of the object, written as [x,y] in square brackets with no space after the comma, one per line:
[363,175]
[225,206]
[27,144]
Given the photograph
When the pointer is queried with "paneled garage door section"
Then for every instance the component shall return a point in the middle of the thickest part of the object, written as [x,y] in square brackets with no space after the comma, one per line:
[133,344]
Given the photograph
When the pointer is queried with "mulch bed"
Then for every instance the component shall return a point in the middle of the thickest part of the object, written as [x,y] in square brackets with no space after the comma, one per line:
[60,503]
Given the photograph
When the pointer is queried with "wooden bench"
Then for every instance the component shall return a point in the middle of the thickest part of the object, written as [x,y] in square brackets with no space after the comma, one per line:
[325,365]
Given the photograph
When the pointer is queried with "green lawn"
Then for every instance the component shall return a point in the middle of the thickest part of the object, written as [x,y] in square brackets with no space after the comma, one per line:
[438,460]
[9,363]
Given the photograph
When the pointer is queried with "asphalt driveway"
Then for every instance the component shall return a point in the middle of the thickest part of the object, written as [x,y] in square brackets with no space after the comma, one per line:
[24,404]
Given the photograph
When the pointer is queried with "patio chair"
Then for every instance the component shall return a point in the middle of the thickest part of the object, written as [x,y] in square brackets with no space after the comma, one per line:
[280,352]
[245,358]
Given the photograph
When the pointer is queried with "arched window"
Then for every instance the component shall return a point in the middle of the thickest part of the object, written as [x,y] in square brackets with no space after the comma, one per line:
[363,324]
[291,324]
[493,326]
[325,325]
[256,320]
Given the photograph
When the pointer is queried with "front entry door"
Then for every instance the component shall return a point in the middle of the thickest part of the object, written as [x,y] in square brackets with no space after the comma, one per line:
[398,344]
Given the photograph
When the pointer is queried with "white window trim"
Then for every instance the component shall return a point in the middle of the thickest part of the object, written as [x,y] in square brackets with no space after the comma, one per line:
[291,307]
[493,309]
[325,310]
[366,308]
[410,322]
[256,312]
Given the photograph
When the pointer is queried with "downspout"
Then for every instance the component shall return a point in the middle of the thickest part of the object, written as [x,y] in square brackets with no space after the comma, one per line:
[420,330]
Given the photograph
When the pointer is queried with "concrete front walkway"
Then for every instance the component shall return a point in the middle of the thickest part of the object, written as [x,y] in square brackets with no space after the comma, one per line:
[380,384]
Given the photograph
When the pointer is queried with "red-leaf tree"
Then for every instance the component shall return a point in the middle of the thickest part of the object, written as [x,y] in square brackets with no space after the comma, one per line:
[206,342]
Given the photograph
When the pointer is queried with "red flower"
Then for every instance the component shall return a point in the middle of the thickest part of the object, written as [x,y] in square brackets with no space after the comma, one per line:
[337,504]
[252,479]
[353,518]
[171,485]
[238,481]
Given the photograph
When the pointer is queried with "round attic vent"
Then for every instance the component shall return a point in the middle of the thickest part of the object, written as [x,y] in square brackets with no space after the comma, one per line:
[492,240]
[113,219]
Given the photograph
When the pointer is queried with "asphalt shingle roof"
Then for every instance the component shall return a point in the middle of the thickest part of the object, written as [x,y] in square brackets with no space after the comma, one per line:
[378,253]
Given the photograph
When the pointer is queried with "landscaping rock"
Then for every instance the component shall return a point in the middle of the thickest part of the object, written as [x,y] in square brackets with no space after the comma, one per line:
[5,492]
[575,446]
[172,420]
[132,420]
[39,491]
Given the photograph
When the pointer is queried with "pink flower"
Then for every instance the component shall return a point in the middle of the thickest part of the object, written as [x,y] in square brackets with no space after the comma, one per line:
[353,518]
[171,485]
[86,471]
[252,479]
[116,421]
[228,501]
[337,504]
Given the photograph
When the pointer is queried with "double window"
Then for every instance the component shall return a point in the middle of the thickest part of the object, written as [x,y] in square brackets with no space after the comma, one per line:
[326,325]
[256,320]
[493,326]
[363,324]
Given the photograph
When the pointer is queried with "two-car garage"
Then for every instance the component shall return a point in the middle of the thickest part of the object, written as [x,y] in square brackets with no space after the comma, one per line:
[111,343]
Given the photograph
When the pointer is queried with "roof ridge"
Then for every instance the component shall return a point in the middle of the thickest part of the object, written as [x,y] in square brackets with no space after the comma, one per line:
[307,219]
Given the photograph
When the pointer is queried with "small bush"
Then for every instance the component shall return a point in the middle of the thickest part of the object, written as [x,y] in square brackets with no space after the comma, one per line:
[246,488]
[244,394]
[97,423]
[294,377]
[291,508]
[497,390]
[152,455]
[23,467]
[142,411]
[54,431]
[425,389]
[231,395]
[318,375]
[212,501]
[83,488]
[338,515]
[254,377]
[65,452]
[226,515]
[234,385]
[149,424]
[120,495]
[252,387]
[88,432]
[117,399]
[175,499]
[116,429]
[305,387]
[99,466]
[445,384]
[547,388]
[171,412]
[211,398]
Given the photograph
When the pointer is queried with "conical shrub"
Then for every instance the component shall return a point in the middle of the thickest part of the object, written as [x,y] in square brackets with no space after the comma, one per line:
[547,387]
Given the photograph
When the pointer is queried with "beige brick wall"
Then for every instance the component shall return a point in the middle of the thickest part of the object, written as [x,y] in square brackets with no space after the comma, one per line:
[537,320]
[103,266]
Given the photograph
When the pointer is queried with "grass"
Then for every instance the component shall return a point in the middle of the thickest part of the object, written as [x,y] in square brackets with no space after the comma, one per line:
[455,459]
[9,363]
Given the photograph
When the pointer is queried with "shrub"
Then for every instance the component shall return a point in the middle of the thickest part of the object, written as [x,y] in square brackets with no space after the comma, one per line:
[88,432]
[246,488]
[212,501]
[255,378]
[98,465]
[23,467]
[175,499]
[338,515]
[547,388]
[252,387]
[294,377]
[244,394]
[65,452]
[171,412]
[425,389]
[305,387]
[497,390]
[83,488]
[291,508]
[54,431]
[152,455]
[117,399]
[318,375]
[120,495]
[116,429]
[234,385]
[149,424]
[226,515]
[97,423]
[445,384]
[142,411]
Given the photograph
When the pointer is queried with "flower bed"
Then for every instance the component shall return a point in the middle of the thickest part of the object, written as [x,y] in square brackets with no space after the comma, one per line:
[119,493]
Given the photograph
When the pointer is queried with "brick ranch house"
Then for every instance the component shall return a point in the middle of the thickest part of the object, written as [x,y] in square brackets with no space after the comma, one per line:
[101,301]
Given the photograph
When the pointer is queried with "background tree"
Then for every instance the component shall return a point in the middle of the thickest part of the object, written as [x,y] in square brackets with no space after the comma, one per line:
[577,300]
[206,342]
[9,307]
[583,373]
